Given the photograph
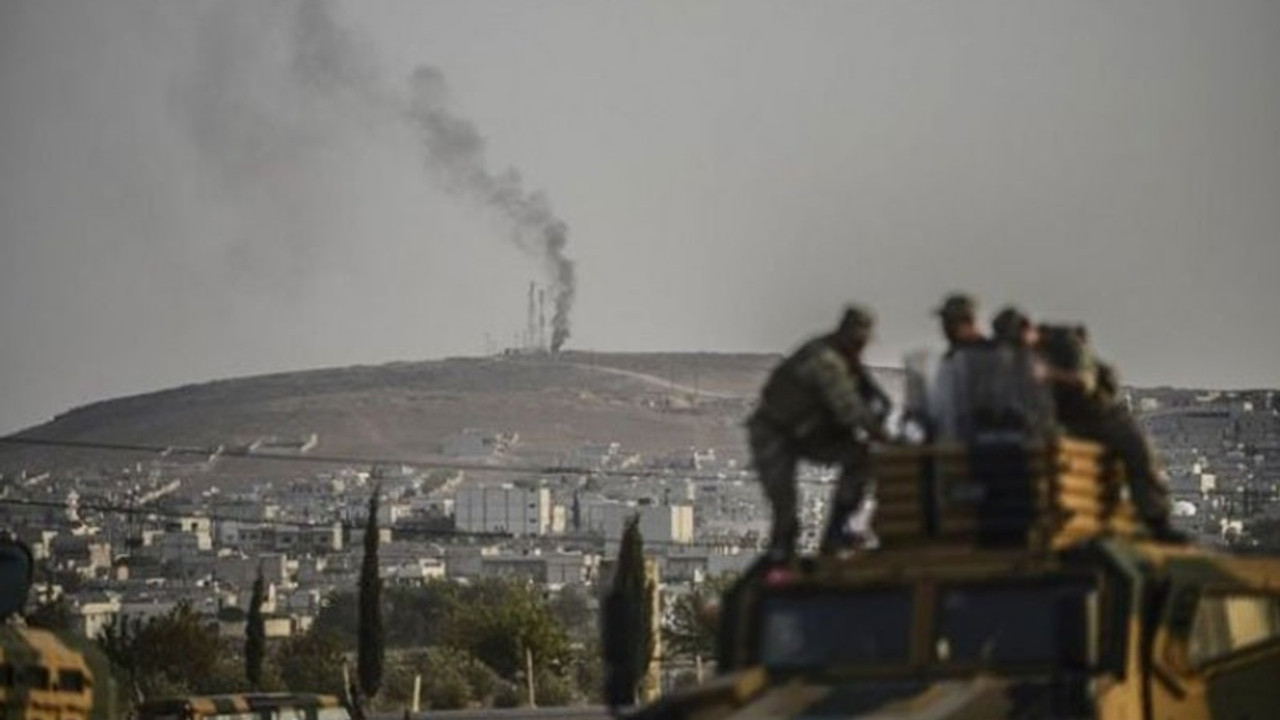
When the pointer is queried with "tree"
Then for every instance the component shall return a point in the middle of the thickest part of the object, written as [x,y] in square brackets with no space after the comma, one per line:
[311,663]
[554,690]
[419,614]
[174,653]
[629,619]
[587,671]
[498,620]
[339,618]
[571,608]
[451,678]
[370,643]
[255,634]
[690,629]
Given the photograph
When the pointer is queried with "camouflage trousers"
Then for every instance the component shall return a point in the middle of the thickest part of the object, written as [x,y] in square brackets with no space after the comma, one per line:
[776,455]
[1117,430]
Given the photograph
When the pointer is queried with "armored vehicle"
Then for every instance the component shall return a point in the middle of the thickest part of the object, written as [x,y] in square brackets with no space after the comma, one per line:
[1012,581]
[45,675]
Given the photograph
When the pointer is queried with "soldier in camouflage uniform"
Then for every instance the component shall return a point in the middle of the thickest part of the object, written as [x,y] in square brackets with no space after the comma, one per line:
[819,405]
[1086,393]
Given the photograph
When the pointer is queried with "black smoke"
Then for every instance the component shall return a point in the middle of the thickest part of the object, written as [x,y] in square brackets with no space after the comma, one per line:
[455,149]
[248,124]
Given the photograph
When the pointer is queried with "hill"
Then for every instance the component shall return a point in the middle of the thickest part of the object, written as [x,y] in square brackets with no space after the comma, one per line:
[649,402]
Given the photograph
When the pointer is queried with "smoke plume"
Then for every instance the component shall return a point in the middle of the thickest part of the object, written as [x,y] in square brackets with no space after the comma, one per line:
[248,127]
[328,57]
[454,148]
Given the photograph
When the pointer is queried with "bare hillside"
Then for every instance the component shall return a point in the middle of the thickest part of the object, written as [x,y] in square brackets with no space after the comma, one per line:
[653,403]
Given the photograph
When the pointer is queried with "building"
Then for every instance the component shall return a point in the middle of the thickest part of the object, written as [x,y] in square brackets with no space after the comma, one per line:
[413,573]
[95,614]
[659,524]
[86,555]
[503,509]
[297,539]
[467,561]
[241,571]
[553,570]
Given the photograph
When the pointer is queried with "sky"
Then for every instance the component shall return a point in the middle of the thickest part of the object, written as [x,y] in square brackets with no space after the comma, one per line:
[201,190]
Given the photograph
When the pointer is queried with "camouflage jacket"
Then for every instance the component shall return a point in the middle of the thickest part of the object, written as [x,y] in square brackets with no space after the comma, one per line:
[815,391]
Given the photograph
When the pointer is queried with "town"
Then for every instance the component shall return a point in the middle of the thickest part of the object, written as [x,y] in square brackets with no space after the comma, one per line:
[123,546]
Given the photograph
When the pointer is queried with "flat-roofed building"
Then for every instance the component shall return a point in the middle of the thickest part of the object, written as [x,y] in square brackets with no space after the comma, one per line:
[503,509]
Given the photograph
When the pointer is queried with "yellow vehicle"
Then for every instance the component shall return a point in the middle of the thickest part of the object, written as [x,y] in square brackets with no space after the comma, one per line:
[43,675]
[51,676]
[248,706]
[41,678]
[1012,581]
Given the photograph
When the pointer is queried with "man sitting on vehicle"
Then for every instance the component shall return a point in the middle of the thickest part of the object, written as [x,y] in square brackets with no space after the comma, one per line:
[1088,410]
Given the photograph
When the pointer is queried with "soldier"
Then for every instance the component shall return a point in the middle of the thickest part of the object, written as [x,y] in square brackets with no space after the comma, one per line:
[958,314]
[819,405]
[1012,328]
[1023,401]
[960,399]
[1088,405]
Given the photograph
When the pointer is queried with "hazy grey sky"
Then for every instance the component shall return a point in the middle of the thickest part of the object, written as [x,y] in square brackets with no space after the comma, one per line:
[207,189]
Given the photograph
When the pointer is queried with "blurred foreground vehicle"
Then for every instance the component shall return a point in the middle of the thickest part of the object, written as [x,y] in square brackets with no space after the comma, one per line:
[1012,580]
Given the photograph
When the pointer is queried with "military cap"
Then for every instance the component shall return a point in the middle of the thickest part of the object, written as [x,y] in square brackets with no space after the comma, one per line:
[856,322]
[1009,324]
[957,306]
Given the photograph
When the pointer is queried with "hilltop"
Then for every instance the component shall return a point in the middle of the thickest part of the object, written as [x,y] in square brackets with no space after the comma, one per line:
[649,402]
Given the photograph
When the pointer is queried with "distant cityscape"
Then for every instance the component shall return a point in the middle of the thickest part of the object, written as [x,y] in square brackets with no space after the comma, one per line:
[133,542]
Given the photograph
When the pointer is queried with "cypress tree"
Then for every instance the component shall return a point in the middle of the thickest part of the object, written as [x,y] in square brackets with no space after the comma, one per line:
[630,619]
[255,634]
[370,644]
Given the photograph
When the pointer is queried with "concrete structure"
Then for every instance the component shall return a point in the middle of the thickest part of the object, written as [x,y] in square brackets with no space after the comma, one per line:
[274,628]
[414,573]
[302,539]
[94,615]
[240,572]
[503,509]
[659,524]
[551,570]
[84,554]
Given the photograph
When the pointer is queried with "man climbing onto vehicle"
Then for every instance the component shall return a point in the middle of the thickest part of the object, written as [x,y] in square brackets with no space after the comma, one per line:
[822,405]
